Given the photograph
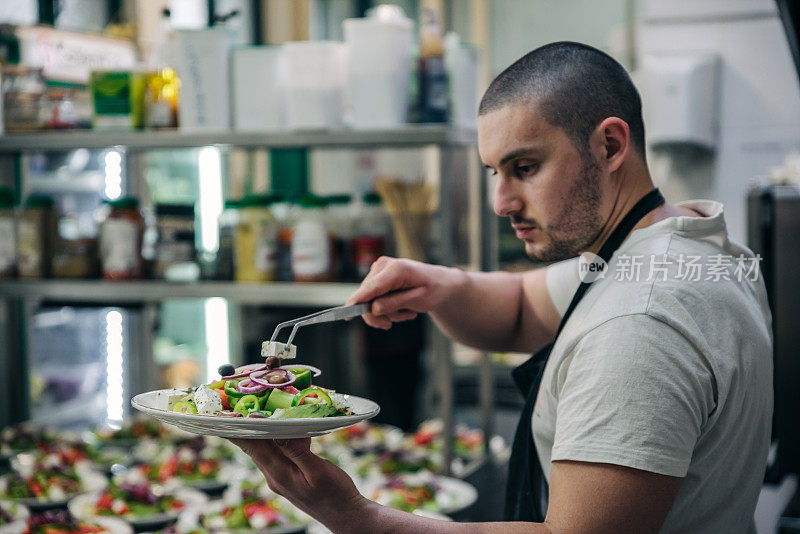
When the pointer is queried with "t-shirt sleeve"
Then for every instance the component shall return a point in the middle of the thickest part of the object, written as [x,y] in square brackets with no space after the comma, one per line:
[562,280]
[636,393]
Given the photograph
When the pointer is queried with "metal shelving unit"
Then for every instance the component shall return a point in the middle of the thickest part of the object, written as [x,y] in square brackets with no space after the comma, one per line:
[459,171]
[410,135]
[144,291]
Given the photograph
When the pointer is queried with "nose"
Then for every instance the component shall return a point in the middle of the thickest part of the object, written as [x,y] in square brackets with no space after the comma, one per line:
[506,198]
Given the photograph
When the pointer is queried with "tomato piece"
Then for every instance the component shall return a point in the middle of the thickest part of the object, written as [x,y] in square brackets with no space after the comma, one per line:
[223,397]
[36,488]
[423,437]
[105,501]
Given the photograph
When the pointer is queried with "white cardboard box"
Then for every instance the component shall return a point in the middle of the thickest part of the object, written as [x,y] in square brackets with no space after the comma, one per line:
[202,62]
[258,86]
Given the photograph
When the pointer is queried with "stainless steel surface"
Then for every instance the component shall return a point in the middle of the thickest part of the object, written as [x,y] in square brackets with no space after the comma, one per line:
[115,293]
[443,346]
[339,313]
[410,135]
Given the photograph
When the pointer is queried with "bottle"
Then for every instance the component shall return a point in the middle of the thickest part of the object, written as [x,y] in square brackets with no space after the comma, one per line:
[228,221]
[371,235]
[36,229]
[312,250]
[432,91]
[161,90]
[287,214]
[120,241]
[339,220]
[8,235]
[256,241]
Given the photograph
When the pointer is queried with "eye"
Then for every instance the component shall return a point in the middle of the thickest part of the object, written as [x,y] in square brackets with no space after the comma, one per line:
[525,169]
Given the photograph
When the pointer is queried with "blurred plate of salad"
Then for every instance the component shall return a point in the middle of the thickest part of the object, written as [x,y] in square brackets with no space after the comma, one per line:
[47,483]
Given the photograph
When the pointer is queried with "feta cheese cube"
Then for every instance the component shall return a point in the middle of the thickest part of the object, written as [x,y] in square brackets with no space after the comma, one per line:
[118,506]
[339,401]
[279,350]
[207,401]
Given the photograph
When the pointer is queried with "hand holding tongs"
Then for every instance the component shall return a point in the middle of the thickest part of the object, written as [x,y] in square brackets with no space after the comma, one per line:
[325,316]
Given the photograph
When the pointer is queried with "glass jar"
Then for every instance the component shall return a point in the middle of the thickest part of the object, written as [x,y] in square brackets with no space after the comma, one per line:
[120,241]
[175,245]
[256,243]
[23,91]
[312,250]
[74,254]
[35,232]
[8,234]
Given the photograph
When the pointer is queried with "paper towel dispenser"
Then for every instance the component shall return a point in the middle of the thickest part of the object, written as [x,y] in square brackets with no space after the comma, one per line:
[681,98]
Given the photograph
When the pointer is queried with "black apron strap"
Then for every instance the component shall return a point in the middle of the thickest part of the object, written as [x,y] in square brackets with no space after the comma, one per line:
[526,490]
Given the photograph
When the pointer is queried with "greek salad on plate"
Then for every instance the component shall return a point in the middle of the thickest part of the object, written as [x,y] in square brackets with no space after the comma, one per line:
[268,401]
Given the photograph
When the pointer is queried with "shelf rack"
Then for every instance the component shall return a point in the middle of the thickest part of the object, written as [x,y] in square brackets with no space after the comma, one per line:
[459,170]
[407,136]
[146,291]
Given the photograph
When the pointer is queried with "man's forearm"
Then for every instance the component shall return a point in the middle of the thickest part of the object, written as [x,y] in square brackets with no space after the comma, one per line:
[483,311]
[490,311]
[377,519]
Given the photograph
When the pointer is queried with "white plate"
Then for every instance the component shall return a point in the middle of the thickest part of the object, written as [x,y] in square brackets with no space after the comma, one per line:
[82,507]
[154,403]
[461,495]
[452,496]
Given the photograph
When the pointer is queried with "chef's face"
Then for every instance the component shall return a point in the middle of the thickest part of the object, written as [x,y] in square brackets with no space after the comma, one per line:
[549,190]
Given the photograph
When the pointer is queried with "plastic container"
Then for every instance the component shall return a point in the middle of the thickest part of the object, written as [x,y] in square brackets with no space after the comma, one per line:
[312,247]
[315,74]
[378,74]
[8,235]
[175,246]
[462,62]
[35,232]
[120,241]
[256,241]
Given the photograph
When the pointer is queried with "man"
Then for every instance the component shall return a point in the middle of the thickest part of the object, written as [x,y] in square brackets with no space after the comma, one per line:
[653,409]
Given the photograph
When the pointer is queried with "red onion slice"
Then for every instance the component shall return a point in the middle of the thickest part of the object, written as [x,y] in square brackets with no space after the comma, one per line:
[245,370]
[248,386]
[260,377]
[316,372]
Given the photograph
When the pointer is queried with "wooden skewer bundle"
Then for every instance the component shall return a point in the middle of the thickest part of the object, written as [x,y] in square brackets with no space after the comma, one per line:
[410,205]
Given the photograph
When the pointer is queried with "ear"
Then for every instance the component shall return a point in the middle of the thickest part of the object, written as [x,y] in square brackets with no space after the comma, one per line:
[613,139]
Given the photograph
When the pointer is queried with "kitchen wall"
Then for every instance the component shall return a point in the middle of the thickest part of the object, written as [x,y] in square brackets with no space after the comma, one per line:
[759,97]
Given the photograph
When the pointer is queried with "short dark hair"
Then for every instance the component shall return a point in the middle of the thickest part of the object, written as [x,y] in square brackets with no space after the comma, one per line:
[576,86]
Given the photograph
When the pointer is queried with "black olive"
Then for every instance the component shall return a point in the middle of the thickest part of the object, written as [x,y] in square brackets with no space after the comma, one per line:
[226,369]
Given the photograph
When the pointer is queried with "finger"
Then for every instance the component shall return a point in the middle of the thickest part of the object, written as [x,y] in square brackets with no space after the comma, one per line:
[382,322]
[377,266]
[402,300]
[299,452]
[263,451]
[402,315]
[388,279]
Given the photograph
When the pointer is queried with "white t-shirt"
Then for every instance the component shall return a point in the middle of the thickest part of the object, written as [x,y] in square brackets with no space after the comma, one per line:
[670,373]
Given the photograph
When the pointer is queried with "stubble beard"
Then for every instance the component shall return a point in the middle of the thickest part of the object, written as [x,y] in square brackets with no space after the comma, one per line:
[579,223]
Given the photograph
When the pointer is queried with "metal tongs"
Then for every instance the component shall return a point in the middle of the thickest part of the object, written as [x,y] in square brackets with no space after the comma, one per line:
[338,313]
